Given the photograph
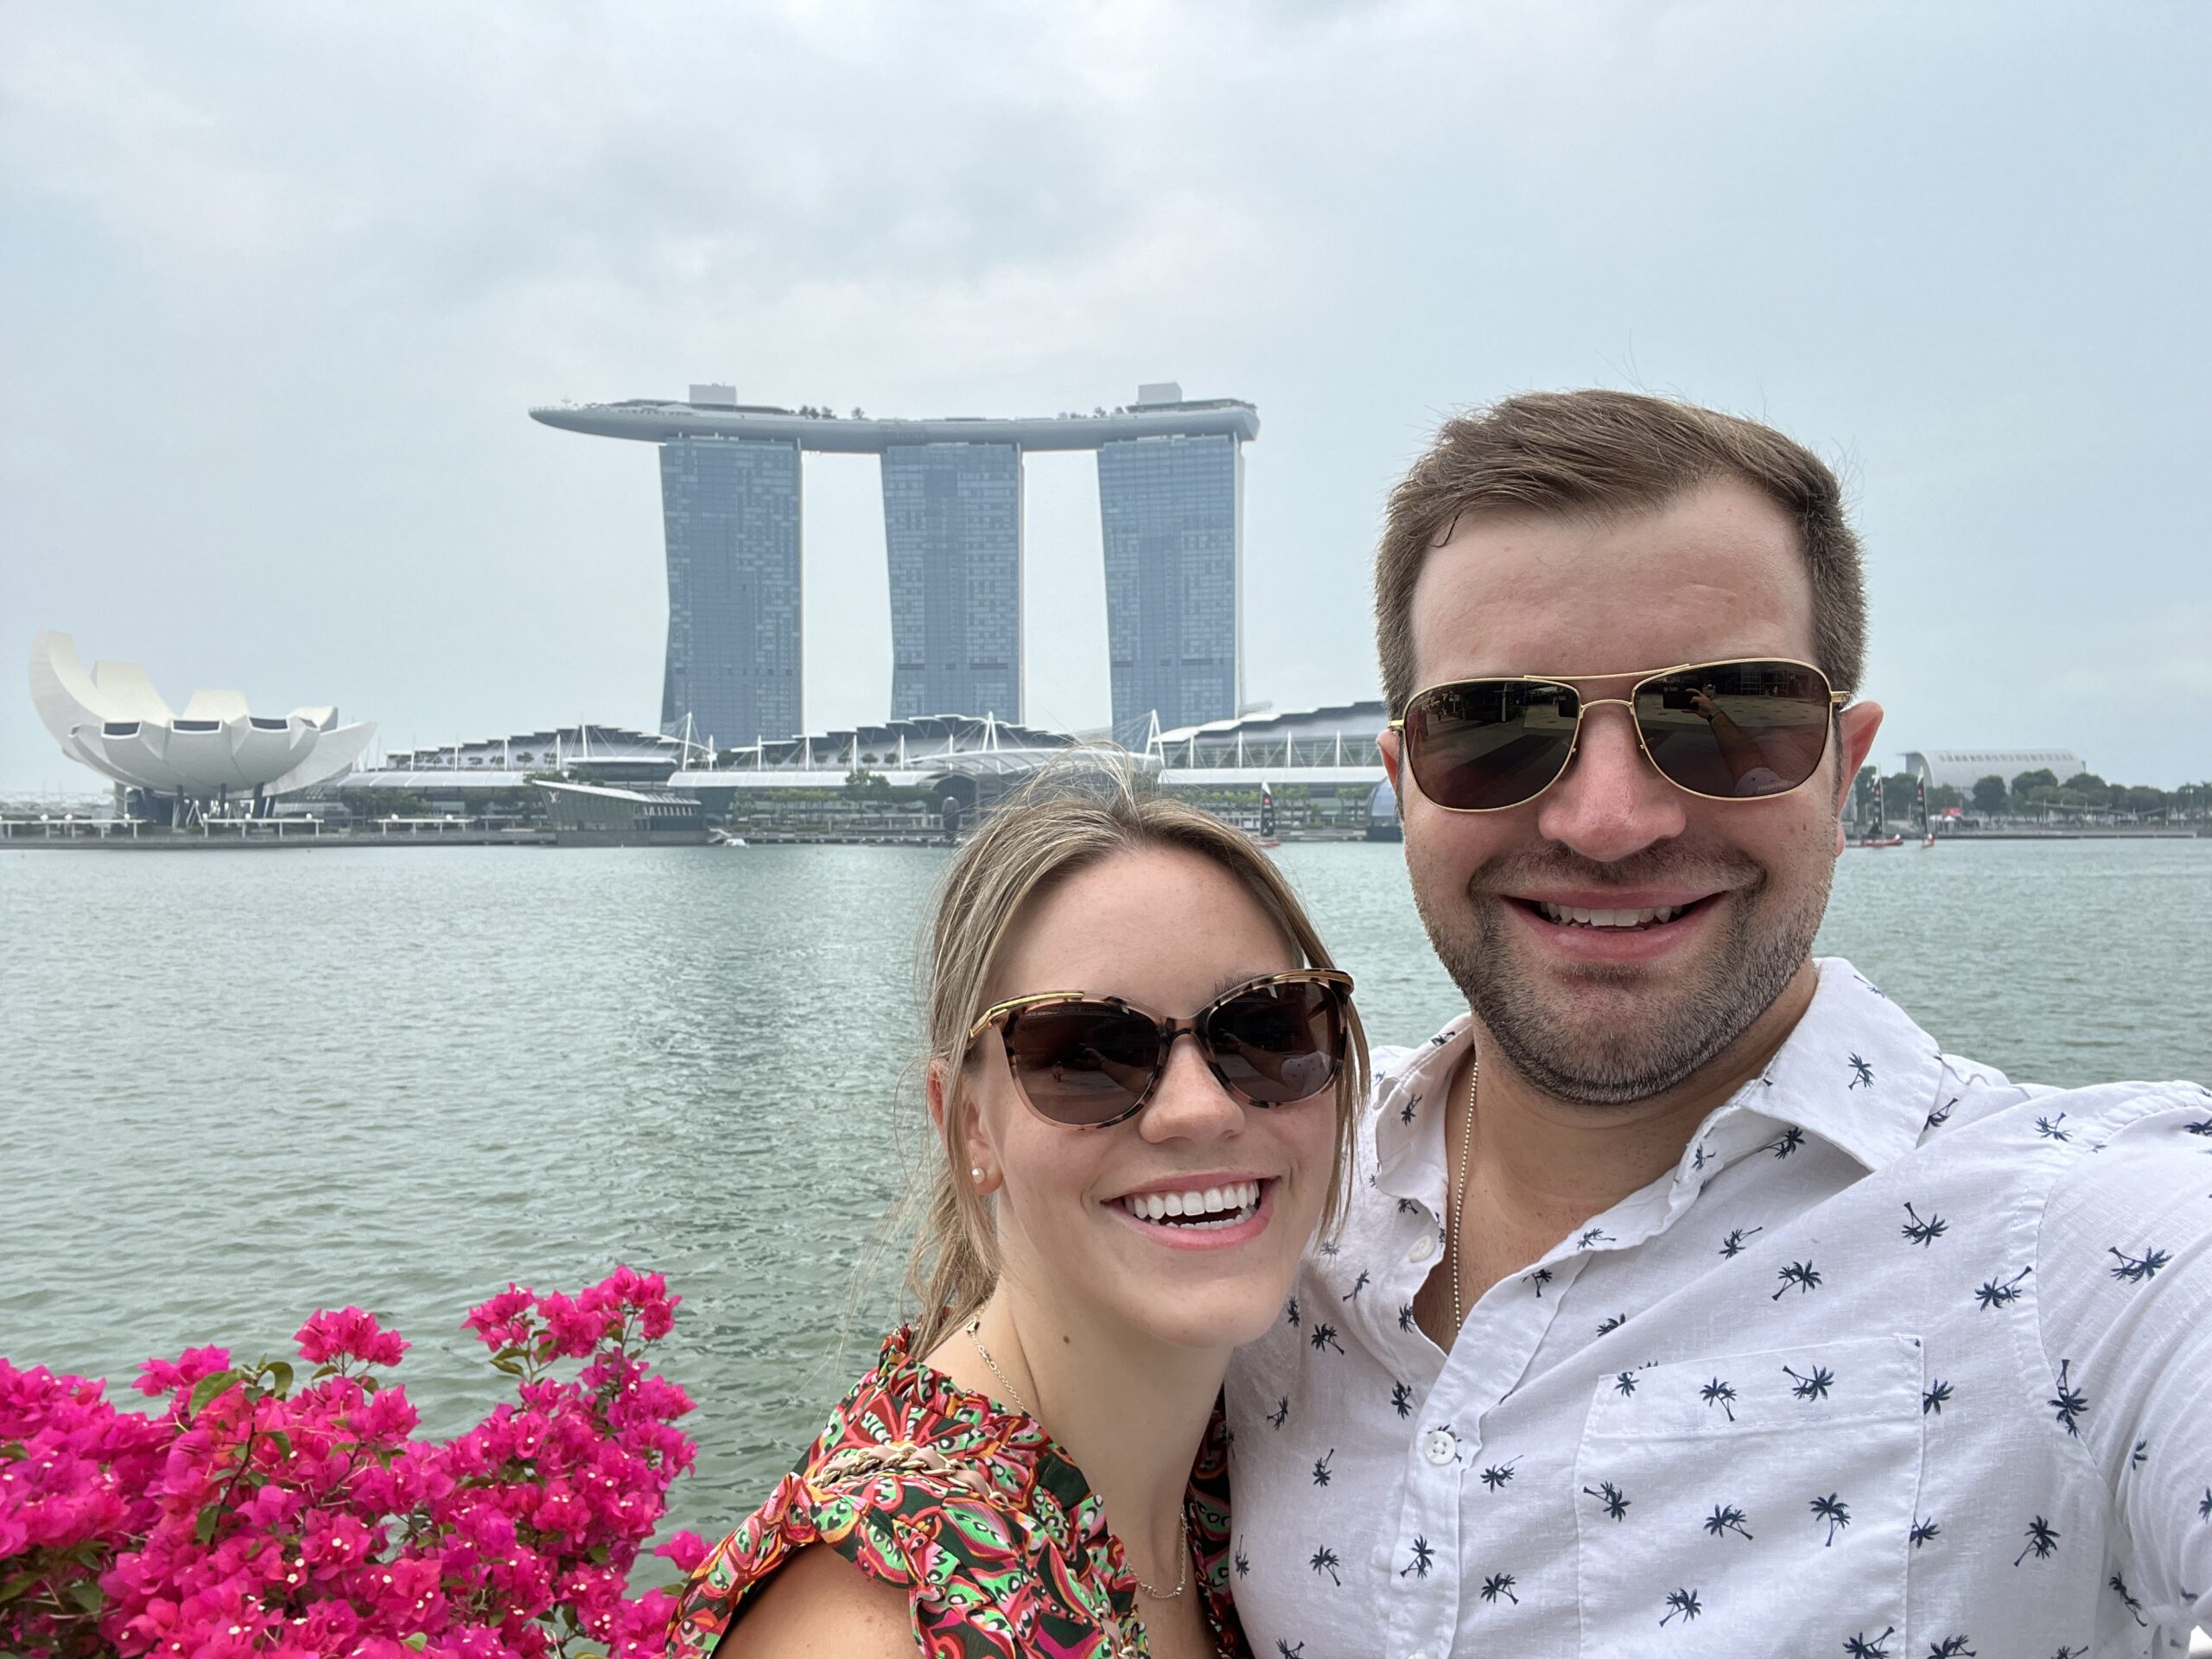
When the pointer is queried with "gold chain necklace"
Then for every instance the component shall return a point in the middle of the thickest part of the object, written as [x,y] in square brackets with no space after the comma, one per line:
[1460,1208]
[1182,1530]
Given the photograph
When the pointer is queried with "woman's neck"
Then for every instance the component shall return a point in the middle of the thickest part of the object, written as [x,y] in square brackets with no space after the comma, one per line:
[1131,1411]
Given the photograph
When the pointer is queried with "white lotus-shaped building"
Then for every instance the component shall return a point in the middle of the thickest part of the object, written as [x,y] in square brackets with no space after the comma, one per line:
[114,721]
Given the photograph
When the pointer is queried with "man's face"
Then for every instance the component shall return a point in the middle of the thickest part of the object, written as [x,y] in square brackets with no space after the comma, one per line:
[1611,1015]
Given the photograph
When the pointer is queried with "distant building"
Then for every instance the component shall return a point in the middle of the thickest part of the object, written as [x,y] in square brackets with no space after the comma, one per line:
[1170,491]
[1172,509]
[1336,737]
[730,507]
[952,531]
[1963,768]
[174,765]
[600,815]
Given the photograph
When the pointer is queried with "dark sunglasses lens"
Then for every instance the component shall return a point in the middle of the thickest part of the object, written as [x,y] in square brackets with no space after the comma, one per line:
[1080,1063]
[1484,744]
[1276,1043]
[1737,730]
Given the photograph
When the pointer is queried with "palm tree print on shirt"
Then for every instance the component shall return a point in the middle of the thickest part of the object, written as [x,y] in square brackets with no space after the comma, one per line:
[1540,1277]
[1833,1510]
[1814,1385]
[1993,1295]
[1803,1274]
[1497,1474]
[1592,1238]
[1924,1532]
[1321,1467]
[2069,1402]
[2134,1607]
[1500,1583]
[1402,1400]
[2204,1505]
[2043,1539]
[2048,1128]
[1733,1244]
[1325,1560]
[1281,1415]
[1290,1313]
[1787,1142]
[1725,1519]
[1405,1316]
[1936,1398]
[1609,1496]
[1863,1646]
[1357,1285]
[1940,1116]
[1917,1231]
[1243,1563]
[1284,1650]
[1424,1557]
[1721,1393]
[1951,1647]
[1625,1383]
[1862,1075]
[2134,1270]
[1682,1604]
[1324,1336]
[1611,1324]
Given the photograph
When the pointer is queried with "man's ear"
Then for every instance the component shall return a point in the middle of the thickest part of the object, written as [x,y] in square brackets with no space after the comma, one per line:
[1855,729]
[1391,741]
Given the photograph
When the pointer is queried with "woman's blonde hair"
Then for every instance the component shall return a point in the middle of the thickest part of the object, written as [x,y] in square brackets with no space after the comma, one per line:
[1075,813]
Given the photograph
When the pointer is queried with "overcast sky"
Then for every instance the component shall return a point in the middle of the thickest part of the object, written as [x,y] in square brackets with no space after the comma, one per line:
[278,283]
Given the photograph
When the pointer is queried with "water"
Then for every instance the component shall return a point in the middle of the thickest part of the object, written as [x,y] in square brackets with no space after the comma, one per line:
[237,1087]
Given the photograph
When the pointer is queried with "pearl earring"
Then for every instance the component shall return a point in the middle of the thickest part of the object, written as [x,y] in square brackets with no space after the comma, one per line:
[977,1173]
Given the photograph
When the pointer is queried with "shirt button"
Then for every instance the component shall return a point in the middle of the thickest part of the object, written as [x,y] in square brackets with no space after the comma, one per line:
[1438,1446]
[1423,1248]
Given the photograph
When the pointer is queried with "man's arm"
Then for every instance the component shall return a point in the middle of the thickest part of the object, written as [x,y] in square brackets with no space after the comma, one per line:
[2125,1301]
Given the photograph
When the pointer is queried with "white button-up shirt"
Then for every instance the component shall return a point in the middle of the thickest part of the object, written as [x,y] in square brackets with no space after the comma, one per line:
[1902,1359]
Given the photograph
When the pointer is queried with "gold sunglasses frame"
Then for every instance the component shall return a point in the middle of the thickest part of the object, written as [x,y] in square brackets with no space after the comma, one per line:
[1837,701]
[998,1012]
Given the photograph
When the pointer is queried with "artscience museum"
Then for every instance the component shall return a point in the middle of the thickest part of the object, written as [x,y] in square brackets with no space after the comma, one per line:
[216,751]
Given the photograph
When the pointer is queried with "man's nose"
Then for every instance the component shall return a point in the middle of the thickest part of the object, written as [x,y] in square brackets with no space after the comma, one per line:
[1189,1102]
[1612,804]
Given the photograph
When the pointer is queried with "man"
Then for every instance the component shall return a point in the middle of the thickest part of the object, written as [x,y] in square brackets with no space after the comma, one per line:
[1716,1311]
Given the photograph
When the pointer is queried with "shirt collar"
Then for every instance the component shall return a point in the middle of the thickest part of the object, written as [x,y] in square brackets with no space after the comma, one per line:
[1855,1071]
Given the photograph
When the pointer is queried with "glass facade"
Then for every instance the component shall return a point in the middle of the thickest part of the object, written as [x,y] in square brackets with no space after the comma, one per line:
[731,507]
[952,529]
[1173,514]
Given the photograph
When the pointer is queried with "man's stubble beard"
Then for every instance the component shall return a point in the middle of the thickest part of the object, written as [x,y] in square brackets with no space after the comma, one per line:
[1746,970]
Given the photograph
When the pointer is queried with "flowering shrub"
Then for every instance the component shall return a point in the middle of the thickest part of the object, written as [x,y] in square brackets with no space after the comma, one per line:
[255,1516]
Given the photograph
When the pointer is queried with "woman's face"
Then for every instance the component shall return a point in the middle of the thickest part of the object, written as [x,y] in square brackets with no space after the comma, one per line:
[1167,931]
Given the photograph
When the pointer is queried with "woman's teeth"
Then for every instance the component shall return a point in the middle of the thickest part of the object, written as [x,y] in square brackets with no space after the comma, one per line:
[1207,1210]
[1567,915]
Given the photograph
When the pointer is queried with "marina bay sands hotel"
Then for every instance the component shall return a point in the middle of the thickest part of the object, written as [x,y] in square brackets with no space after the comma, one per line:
[1171,499]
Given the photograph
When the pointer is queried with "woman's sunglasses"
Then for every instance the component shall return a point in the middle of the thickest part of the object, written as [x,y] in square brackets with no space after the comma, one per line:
[1729,731]
[1086,1061]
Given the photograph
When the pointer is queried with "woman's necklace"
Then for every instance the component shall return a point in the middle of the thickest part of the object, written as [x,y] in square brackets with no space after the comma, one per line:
[1459,1207]
[1182,1540]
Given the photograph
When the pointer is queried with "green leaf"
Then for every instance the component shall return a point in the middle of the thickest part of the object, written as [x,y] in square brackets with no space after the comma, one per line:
[507,1365]
[208,1387]
[87,1595]
[369,1385]
[211,1516]
[13,1449]
[283,1441]
[10,1588]
[280,1375]
[418,1641]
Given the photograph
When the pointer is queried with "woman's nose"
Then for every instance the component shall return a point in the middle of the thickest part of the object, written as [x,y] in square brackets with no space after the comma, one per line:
[1189,1102]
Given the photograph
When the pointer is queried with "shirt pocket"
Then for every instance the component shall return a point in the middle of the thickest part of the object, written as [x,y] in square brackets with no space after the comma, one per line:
[1750,1503]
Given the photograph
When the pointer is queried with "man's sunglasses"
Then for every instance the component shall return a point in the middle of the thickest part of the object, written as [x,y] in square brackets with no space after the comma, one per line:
[1086,1062]
[1728,731]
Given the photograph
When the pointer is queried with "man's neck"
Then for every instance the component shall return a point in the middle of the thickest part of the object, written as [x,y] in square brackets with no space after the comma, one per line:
[1540,1168]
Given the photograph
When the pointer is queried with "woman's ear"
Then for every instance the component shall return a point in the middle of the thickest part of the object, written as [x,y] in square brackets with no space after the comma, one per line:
[974,1151]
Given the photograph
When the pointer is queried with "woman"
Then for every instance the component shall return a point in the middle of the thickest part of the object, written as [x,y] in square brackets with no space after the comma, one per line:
[1038,1465]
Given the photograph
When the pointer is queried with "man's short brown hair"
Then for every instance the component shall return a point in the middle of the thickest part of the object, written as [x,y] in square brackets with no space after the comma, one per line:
[1573,453]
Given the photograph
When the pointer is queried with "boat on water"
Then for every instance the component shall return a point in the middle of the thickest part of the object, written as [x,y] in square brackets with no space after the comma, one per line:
[723,838]
[1265,836]
[1878,833]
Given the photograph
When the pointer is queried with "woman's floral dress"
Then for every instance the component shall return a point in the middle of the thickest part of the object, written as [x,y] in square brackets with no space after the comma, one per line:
[987,1525]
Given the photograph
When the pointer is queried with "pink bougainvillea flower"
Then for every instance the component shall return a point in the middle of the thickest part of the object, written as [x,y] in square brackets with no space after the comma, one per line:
[349,1333]
[164,1376]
